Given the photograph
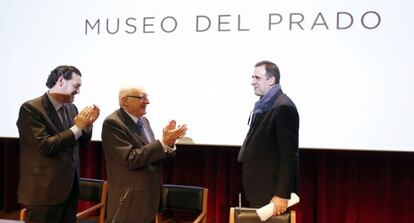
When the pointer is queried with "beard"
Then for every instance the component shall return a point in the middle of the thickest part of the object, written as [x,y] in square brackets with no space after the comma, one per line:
[63,98]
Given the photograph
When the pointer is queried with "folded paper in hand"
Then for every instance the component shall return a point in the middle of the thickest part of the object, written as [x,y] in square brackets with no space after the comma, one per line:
[266,212]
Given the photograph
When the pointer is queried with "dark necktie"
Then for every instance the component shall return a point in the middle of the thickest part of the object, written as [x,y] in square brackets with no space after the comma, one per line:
[64,116]
[140,126]
[142,131]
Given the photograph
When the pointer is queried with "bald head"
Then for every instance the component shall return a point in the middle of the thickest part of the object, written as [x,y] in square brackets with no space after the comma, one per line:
[130,90]
[133,100]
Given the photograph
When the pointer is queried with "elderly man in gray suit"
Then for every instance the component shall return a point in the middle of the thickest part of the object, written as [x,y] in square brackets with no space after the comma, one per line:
[133,157]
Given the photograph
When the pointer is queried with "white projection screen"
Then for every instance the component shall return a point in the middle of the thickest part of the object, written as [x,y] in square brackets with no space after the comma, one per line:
[347,65]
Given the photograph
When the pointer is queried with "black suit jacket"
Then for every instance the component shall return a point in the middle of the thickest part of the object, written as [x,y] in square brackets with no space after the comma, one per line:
[270,159]
[49,154]
[133,168]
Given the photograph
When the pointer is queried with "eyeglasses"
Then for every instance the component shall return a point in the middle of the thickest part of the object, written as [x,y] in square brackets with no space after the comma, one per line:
[145,97]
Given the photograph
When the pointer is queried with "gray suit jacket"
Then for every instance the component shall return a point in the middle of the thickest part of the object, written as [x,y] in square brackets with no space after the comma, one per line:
[49,154]
[133,168]
[270,159]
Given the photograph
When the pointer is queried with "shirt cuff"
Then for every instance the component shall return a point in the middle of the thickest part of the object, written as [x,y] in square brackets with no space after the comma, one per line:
[76,131]
[168,149]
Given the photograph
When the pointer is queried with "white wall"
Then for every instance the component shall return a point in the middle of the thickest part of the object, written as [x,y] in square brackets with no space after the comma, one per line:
[351,85]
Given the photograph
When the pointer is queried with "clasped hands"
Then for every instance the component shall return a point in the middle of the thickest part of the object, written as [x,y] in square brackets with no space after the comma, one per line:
[87,117]
[171,133]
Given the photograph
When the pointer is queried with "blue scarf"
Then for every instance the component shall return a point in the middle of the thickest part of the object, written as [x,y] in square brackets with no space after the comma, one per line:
[265,102]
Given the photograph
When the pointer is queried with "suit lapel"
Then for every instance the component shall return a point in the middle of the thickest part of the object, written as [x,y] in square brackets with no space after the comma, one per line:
[132,127]
[259,118]
[148,129]
[72,112]
[52,114]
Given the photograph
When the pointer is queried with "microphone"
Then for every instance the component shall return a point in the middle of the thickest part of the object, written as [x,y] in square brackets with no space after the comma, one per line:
[121,202]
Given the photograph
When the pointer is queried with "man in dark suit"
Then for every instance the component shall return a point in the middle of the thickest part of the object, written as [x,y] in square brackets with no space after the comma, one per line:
[133,158]
[269,153]
[51,131]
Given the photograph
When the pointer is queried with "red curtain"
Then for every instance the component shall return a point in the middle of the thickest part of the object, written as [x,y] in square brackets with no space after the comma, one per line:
[335,186]
[9,174]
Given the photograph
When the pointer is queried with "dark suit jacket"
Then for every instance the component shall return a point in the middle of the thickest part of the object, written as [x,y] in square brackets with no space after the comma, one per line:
[49,154]
[270,159]
[133,168]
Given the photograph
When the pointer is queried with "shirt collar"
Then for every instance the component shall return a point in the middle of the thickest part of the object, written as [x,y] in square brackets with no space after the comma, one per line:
[133,117]
[57,105]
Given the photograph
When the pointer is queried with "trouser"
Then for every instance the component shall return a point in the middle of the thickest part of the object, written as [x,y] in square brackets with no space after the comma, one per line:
[61,213]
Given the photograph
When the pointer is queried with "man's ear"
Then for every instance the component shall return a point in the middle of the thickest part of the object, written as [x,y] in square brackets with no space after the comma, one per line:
[60,81]
[123,101]
[271,81]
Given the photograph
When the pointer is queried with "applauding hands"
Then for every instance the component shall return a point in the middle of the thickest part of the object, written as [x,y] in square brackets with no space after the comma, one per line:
[171,133]
[87,117]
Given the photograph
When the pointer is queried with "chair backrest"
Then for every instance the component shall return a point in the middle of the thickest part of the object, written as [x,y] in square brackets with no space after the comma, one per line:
[91,189]
[185,198]
[94,190]
[249,215]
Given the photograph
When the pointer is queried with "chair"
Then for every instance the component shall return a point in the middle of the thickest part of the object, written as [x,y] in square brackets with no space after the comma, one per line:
[249,215]
[184,198]
[96,191]
[90,190]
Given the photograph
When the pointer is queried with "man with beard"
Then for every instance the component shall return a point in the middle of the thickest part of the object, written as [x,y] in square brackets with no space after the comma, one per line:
[51,132]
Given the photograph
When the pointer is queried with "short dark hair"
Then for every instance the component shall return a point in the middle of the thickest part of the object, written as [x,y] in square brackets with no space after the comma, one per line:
[271,70]
[63,70]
